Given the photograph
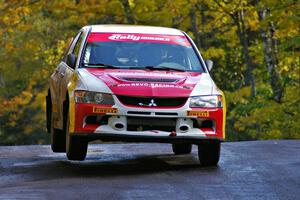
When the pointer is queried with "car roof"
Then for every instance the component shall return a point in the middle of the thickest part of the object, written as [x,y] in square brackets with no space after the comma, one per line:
[112,28]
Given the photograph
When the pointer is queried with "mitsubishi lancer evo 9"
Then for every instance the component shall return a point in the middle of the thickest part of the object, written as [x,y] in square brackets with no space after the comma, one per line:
[135,84]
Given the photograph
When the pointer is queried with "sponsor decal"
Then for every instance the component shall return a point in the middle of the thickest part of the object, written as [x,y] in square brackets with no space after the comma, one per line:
[137,37]
[97,109]
[126,37]
[142,74]
[152,85]
[196,113]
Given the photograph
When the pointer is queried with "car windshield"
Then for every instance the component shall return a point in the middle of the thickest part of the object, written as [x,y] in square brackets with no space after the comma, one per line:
[140,51]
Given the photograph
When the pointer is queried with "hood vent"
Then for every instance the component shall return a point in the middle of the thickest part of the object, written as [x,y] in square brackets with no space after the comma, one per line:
[161,80]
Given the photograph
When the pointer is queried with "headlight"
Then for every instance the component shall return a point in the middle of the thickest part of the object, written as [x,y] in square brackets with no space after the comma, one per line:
[93,97]
[206,101]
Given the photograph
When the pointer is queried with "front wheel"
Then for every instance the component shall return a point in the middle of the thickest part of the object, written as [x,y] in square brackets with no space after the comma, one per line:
[76,148]
[209,153]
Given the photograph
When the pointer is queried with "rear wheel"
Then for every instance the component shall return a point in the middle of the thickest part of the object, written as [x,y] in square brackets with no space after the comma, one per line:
[182,148]
[48,112]
[209,153]
[58,141]
[58,137]
[76,148]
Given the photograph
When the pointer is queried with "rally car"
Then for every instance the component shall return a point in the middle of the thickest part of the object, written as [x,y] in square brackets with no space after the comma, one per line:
[135,84]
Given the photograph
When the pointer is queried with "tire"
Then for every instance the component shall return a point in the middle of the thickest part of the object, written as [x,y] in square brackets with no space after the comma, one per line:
[58,141]
[182,148]
[209,153]
[58,138]
[76,148]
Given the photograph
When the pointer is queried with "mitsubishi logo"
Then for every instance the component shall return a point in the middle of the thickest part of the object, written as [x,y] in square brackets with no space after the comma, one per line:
[152,103]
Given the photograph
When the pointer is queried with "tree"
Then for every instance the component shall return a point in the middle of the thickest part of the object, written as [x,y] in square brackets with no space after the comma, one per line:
[255,46]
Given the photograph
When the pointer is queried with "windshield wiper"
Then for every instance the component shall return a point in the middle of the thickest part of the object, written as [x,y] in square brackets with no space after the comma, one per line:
[162,68]
[102,65]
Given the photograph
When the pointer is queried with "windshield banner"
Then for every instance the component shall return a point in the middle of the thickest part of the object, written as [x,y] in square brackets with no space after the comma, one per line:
[133,37]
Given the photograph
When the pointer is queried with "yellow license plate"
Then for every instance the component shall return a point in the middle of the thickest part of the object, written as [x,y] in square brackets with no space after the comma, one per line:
[196,113]
[104,110]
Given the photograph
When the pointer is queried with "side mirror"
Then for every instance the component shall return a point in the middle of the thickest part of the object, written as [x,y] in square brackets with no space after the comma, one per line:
[209,64]
[71,60]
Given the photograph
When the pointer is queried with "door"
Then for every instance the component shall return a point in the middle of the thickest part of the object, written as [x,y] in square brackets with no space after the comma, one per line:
[58,83]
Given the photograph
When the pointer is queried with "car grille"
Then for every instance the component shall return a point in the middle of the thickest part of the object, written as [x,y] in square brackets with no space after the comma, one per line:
[152,101]
[147,123]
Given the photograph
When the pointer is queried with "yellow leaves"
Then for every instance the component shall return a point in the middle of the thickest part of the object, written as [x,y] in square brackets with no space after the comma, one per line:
[288,22]
[288,64]
[268,119]
[61,46]
[50,57]
[214,52]
[143,10]
[176,7]
[28,130]
[238,97]
[239,126]
[19,105]
[53,55]
[253,24]
[288,31]
[12,122]
[292,96]
[14,16]
[9,47]
[17,101]
[26,95]
[115,7]
[39,102]
[251,18]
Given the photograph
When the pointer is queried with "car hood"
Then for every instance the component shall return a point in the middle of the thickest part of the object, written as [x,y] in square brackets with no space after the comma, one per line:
[147,82]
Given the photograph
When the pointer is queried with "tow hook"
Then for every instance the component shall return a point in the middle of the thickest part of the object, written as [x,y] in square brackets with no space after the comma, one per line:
[173,134]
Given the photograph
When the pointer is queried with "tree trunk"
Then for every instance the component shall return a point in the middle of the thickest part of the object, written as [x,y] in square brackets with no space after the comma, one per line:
[238,18]
[128,13]
[194,26]
[270,48]
[202,34]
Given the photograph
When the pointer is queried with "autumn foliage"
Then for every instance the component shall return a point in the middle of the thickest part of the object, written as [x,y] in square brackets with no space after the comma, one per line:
[255,46]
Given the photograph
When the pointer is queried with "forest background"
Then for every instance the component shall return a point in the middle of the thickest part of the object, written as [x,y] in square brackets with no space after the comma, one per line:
[255,47]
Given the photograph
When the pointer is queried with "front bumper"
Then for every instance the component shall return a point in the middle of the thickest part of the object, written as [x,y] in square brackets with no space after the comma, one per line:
[107,116]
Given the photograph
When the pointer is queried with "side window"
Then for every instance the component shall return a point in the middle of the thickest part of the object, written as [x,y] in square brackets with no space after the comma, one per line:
[74,42]
[64,57]
[77,45]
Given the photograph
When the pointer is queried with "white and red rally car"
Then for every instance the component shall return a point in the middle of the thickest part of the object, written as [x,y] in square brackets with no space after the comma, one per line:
[135,84]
